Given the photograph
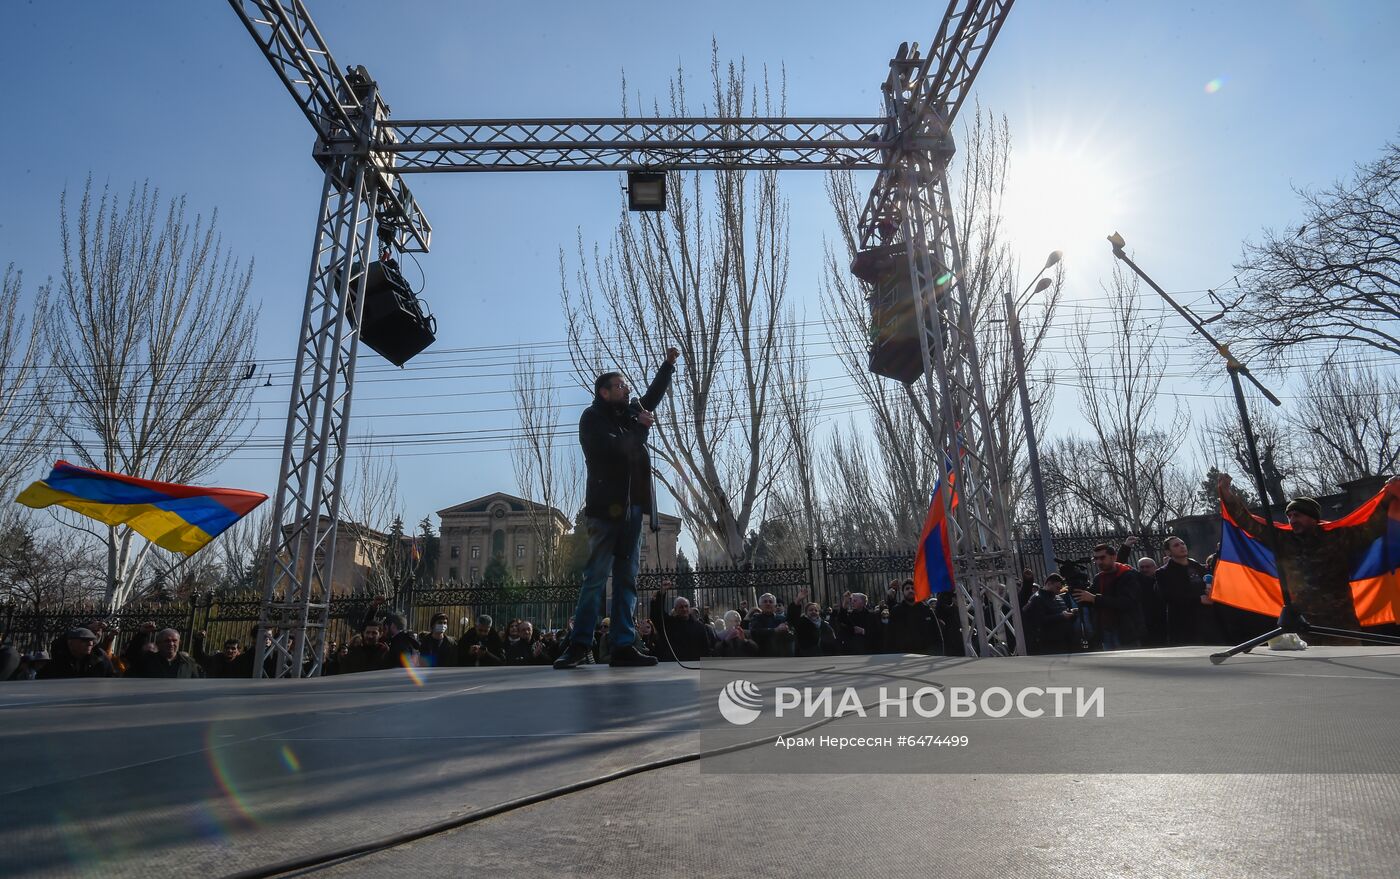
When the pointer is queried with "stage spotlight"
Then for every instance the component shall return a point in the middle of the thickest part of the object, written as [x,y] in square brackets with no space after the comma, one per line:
[646,191]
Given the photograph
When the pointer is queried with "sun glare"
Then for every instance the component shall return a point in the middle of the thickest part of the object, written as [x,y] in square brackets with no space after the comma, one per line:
[1060,200]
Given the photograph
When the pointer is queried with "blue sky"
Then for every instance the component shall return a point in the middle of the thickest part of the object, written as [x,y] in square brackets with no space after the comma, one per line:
[1113,95]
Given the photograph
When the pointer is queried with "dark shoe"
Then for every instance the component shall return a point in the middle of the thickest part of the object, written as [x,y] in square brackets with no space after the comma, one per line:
[631,657]
[573,656]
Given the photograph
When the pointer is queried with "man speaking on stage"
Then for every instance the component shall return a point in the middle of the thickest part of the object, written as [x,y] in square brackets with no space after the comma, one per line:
[613,434]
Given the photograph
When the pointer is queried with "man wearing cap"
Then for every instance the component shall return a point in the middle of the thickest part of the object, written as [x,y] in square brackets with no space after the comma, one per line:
[1315,564]
[80,660]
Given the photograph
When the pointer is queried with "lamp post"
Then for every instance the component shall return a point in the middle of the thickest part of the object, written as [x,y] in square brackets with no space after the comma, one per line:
[1018,355]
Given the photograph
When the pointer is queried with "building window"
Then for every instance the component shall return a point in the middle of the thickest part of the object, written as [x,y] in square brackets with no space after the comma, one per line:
[476,552]
[473,575]
[520,550]
[452,573]
[456,552]
[520,571]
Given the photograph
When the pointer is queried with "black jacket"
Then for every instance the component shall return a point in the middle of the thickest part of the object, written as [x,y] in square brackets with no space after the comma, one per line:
[1181,587]
[403,651]
[493,648]
[438,654]
[1048,630]
[153,665]
[614,449]
[852,642]
[1118,603]
[913,629]
[66,665]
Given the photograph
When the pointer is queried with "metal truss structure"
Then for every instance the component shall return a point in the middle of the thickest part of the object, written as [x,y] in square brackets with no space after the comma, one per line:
[910,204]
[612,144]
[366,156]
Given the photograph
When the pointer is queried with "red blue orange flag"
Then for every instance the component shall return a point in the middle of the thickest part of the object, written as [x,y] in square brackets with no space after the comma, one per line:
[179,518]
[1246,575]
[933,560]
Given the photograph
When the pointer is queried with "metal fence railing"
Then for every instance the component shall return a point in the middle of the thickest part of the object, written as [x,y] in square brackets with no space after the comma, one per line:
[825,573]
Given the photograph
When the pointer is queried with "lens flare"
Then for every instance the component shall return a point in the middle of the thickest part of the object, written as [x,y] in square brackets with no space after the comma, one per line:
[415,674]
[223,767]
[1215,85]
[290,759]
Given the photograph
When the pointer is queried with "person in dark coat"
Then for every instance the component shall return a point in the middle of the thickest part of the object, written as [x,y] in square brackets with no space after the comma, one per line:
[368,655]
[9,661]
[1048,620]
[481,644]
[769,628]
[438,649]
[813,635]
[1154,610]
[1181,581]
[735,642]
[168,660]
[403,644]
[613,434]
[1114,595]
[225,664]
[79,659]
[679,634]
[141,642]
[945,610]
[913,627]
[522,647]
[858,627]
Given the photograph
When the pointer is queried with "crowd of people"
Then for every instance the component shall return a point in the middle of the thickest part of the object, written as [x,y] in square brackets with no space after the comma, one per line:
[1158,601]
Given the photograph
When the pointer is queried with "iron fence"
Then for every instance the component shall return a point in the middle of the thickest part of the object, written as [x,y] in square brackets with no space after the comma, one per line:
[825,574]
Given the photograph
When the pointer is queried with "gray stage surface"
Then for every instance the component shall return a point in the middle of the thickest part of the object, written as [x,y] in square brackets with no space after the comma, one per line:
[1274,764]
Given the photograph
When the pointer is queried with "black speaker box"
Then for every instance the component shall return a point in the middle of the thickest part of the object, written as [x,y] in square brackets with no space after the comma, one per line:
[894,326]
[394,324]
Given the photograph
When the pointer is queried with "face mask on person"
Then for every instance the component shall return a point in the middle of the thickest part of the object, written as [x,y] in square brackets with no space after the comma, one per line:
[439,628]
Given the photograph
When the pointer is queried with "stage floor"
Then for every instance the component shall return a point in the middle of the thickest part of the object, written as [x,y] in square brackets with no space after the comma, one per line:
[1274,764]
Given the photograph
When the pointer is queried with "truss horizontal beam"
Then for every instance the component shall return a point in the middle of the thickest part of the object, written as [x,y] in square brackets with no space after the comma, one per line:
[425,146]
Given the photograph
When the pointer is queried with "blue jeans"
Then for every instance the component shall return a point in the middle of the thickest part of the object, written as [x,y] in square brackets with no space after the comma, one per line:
[614,546]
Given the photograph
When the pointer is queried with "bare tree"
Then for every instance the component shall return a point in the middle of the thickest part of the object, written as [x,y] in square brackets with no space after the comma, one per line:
[25,433]
[152,340]
[1121,475]
[898,414]
[1286,464]
[242,549]
[708,275]
[544,473]
[38,569]
[1351,418]
[856,499]
[796,500]
[1333,280]
[369,504]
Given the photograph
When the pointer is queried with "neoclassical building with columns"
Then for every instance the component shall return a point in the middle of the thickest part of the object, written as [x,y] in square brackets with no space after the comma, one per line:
[500,524]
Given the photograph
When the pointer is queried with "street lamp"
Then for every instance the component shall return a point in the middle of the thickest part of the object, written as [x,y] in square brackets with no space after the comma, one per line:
[1018,356]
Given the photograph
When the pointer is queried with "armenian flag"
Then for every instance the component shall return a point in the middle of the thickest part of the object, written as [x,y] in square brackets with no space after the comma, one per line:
[179,518]
[933,560]
[1246,576]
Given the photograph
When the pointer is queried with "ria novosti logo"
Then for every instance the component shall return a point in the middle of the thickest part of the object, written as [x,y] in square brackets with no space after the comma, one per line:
[739,702]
